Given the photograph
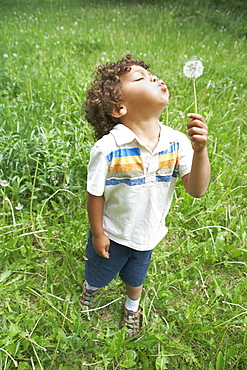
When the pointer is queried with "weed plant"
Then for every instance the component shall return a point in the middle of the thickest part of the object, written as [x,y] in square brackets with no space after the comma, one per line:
[194,301]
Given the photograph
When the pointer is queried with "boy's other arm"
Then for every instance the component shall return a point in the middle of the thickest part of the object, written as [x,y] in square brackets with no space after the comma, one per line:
[95,208]
[196,182]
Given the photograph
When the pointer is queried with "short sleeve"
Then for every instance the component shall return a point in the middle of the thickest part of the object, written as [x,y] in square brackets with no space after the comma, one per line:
[97,172]
[186,155]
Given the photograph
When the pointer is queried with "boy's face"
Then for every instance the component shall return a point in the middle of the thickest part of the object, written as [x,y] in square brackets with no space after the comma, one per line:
[143,91]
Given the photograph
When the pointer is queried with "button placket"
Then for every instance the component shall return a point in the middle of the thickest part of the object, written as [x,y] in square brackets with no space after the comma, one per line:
[151,172]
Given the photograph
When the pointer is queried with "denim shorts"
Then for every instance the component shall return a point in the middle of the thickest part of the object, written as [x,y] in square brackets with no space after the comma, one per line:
[132,265]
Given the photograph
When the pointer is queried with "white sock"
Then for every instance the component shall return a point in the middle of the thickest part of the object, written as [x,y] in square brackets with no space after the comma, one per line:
[91,287]
[132,305]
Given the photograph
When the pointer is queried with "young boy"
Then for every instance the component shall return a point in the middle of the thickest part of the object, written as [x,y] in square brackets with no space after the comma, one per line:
[131,177]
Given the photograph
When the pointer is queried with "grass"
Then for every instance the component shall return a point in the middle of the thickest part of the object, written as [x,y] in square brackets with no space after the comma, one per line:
[194,300]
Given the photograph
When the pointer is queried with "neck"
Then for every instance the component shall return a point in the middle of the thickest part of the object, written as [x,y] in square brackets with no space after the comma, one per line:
[147,131]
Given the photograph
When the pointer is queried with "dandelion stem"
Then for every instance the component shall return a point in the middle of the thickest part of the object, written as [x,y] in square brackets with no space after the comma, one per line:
[195,97]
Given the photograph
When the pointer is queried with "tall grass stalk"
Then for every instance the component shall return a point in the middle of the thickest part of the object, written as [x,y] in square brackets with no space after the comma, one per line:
[49,198]
[59,338]
[9,355]
[32,193]
[6,199]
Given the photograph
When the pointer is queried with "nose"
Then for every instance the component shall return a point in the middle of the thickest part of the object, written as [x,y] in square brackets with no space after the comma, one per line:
[154,78]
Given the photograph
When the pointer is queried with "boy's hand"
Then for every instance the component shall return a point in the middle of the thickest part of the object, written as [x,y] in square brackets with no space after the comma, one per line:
[101,245]
[197,131]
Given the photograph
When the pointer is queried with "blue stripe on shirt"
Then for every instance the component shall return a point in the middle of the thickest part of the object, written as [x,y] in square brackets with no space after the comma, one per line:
[166,178]
[173,148]
[129,182]
[123,153]
[140,180]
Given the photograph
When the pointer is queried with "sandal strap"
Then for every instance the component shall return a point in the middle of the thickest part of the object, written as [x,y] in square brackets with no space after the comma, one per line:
[87,296]
[131,321]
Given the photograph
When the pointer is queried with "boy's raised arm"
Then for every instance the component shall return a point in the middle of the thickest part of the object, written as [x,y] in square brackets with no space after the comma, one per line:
[196,182]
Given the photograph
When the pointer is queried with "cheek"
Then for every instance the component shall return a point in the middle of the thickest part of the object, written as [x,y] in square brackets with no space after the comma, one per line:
[135,95]
[144,93]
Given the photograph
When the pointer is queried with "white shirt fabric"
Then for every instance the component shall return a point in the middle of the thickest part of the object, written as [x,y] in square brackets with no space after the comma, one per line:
[137,184]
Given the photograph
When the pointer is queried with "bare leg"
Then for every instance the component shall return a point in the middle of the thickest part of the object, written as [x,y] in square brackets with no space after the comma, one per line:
[134,292]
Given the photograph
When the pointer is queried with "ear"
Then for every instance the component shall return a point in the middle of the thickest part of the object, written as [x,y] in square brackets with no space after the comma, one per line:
[117,113]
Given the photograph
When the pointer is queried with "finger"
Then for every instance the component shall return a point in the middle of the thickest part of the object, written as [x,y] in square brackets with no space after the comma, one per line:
[199,140]
[196,123]
[197,131]
[194,116]
[105,254]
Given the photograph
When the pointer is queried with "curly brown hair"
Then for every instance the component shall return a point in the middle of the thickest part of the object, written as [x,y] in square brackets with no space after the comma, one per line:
[105,94]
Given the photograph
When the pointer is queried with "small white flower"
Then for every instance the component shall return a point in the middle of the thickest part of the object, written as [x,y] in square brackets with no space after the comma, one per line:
[19,207]
[4,183]
[193,69]
[5,55]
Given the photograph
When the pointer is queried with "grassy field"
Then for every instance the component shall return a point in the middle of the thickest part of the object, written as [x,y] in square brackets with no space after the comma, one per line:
[194,301]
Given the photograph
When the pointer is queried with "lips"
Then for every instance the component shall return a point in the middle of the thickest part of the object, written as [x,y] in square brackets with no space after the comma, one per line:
[162,85]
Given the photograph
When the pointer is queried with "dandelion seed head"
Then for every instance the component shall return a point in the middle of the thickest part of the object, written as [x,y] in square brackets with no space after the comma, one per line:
[193,68]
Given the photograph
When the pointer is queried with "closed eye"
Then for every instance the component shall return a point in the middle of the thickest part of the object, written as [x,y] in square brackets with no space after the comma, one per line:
[140,78]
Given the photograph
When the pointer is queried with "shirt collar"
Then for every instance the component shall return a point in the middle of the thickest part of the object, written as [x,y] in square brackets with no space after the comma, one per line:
[122,134]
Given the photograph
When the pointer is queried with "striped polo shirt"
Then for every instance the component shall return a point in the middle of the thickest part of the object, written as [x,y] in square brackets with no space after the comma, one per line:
[137,183]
